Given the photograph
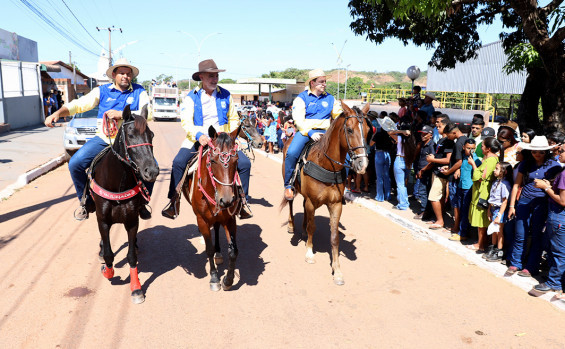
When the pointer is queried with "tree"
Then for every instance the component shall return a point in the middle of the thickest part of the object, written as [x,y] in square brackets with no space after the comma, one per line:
[450,27]
[227,81]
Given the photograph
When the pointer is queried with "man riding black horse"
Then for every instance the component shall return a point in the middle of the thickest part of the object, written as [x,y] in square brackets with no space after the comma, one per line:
[111,100]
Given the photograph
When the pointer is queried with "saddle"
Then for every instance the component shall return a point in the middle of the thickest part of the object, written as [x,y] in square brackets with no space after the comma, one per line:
[314,170]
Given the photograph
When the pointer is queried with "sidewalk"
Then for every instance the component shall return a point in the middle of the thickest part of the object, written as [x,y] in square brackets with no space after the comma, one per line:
[420,231]
[27,153]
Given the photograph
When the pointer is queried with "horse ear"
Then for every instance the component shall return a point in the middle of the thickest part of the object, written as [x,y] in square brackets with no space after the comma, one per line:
[144,112]
[366,108]
[212,132]
[126,114]
[234,133]
[346,108]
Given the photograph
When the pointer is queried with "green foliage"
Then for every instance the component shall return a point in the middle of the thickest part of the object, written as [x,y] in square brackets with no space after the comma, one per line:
[558,18]
[522,57]
[227,81]
[289,73]
[164,78]
[184,84]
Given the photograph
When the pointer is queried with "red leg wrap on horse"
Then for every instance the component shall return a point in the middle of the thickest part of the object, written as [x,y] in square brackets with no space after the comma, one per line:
[134,279]
[107,272]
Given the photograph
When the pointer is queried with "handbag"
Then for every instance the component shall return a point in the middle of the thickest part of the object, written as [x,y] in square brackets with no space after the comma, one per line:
[482,204]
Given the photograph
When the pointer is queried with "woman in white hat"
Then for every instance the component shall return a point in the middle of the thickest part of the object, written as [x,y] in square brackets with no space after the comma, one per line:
[312,111]
[530,209]
[111,99]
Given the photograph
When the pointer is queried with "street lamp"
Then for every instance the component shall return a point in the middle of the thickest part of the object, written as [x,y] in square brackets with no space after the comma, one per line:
[413,73]
[339,62]
[346,68]
[198,45]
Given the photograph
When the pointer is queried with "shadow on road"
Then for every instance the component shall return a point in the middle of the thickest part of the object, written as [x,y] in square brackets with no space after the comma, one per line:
[321,238]
[162,249]
[261,201]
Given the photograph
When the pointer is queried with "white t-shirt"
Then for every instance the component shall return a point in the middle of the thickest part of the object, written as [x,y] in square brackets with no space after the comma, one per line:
[209,110]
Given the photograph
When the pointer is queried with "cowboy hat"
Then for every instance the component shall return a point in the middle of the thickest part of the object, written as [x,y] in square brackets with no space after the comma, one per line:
[538,143]
[122,62]
[206,66]
[430,95]
[314,74]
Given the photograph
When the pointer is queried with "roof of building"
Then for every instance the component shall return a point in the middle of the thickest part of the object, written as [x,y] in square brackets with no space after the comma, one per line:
[267,81]
[63,64]
[484,74]
[249,89]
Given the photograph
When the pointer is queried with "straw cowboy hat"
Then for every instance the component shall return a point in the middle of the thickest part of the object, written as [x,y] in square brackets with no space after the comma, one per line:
[206,66]
[538,143]
[314,74]
[122,62]
[430,95]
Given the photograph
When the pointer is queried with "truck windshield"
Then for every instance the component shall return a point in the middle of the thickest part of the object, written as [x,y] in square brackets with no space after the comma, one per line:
[167,102]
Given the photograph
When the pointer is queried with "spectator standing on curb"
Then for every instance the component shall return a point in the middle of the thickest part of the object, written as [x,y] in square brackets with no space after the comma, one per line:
[498,204]
[422,169]
[383,144]
[443,153]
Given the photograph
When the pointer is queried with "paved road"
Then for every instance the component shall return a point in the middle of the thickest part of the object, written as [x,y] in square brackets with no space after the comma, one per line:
[400,291]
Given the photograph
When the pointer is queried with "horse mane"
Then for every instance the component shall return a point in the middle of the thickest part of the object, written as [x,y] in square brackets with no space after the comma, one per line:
[324,142]
[140,123]
[222,140]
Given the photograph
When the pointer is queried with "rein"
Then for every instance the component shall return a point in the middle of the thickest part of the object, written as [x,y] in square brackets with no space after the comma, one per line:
[246,133]
[351,150]
[224,158]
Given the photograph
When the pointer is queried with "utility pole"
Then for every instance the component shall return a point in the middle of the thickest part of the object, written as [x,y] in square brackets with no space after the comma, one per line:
[109,29]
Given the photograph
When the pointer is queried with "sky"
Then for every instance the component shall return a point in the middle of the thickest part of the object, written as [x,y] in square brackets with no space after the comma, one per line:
[247,38]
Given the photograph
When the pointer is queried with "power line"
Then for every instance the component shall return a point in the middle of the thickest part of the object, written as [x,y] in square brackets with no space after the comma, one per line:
[82,25]
[58,29]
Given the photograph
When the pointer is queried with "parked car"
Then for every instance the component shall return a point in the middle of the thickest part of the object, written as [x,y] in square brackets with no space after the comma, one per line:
[246,108]
[80,129]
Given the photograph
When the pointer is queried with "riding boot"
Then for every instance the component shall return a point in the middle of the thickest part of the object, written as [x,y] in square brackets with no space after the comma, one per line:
[173,208]
[245,212]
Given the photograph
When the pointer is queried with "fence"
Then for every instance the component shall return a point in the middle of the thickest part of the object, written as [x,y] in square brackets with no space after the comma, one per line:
[452,100]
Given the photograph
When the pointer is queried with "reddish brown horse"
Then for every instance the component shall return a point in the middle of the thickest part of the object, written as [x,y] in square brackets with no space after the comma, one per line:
[215,198]
[347,135]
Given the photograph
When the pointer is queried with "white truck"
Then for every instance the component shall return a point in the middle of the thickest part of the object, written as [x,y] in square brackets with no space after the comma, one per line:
[165,102]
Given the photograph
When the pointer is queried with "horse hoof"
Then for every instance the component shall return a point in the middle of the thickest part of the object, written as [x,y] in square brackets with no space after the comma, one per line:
[224,286]
[218,259]
[215,286]
[137,297]
[108,273]
[310,260]
[339,281]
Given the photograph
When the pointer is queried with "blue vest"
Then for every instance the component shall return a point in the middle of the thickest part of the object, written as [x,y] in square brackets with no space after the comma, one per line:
[318,107]
[111,98]
[222,105]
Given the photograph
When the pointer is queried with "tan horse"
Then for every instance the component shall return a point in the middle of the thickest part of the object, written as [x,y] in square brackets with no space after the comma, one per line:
[347,135]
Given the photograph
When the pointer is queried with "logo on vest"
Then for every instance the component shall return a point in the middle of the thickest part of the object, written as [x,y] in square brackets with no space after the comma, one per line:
[129,100]
[223,103]
[324,104]
[109,99]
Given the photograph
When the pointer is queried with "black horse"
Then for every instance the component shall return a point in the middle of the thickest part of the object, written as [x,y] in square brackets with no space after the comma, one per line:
[119,192]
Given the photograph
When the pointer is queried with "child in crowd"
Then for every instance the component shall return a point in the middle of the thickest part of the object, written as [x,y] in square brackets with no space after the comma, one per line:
[463,192]
[498,202]
[270,134]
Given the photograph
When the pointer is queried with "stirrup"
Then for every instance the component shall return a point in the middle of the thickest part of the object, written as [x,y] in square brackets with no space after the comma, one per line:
[81,213]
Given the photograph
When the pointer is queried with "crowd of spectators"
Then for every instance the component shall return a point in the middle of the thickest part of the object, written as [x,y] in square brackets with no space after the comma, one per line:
[500,192]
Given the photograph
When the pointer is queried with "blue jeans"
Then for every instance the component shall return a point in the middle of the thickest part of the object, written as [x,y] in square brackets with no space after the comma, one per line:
[280,143]
[463,199]
[421,191]
[555,229]
[382,168]
[80,162]
[400,174]
[292,154]
[452,185]
[531,214]
[185,154]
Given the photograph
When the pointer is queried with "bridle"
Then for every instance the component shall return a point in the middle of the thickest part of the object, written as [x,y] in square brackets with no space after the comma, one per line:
[224,158]
[110,130]
[249,148]
[351,150]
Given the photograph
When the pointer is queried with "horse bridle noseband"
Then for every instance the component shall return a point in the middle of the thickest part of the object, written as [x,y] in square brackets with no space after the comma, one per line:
[351,150]
[128,160]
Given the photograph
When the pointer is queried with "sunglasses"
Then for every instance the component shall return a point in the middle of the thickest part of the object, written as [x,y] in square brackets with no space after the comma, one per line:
[561,151]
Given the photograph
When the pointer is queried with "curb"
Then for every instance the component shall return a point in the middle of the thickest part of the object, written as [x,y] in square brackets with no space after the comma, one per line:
[29,176]
[421,233]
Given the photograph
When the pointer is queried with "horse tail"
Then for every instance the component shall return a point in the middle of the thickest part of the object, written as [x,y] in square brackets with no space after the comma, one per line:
[283,204]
